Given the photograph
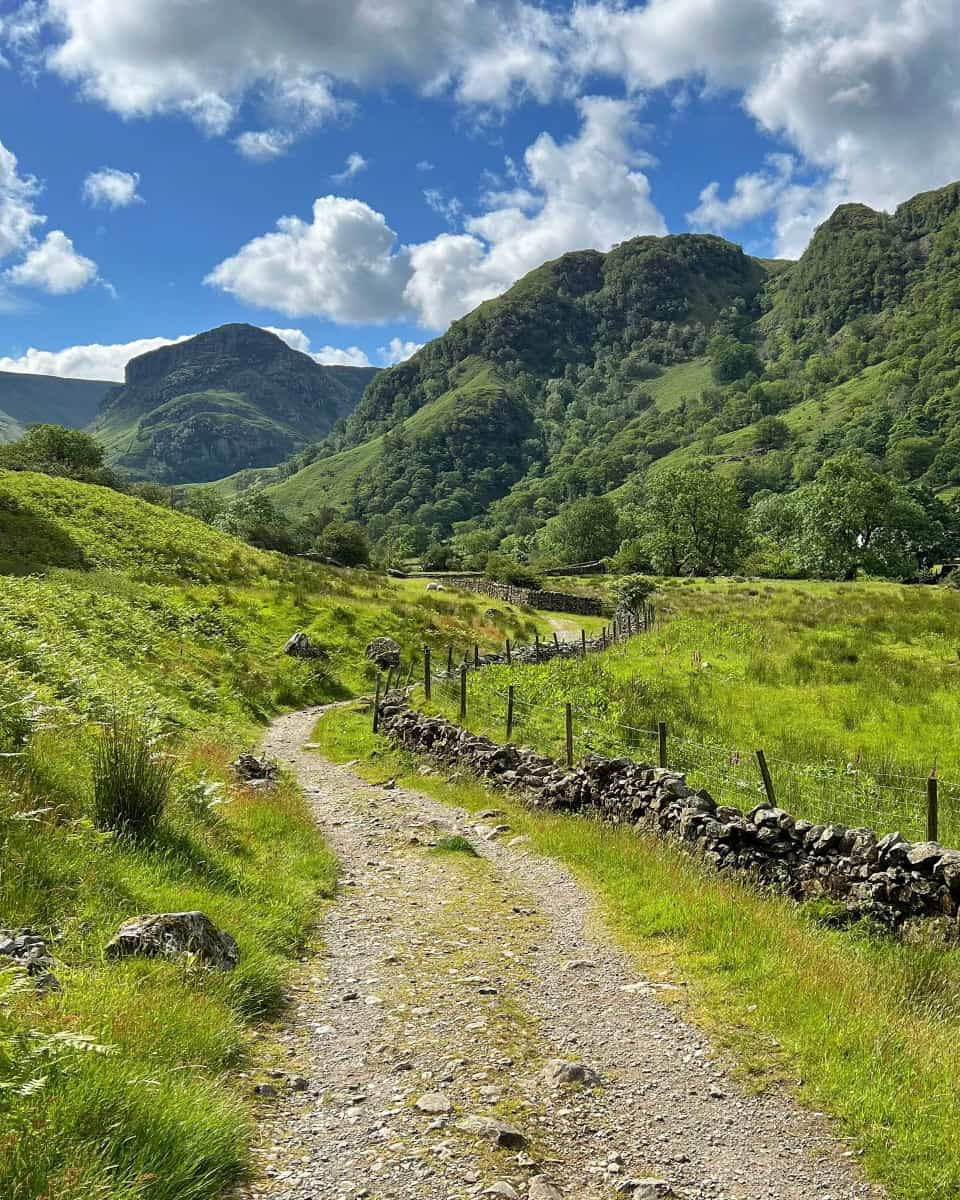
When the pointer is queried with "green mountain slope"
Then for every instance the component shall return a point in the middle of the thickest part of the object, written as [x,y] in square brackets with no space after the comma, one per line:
[233,398]
[599,368]
[46,399]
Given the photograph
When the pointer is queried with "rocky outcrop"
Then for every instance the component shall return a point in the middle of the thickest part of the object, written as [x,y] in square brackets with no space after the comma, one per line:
[171,935]
[384,652]
[258,772]
[884,877]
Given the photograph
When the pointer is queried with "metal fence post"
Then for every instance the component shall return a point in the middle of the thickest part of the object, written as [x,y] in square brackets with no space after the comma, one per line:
[932,806]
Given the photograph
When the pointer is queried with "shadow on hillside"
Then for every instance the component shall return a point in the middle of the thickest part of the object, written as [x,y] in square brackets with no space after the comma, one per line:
[30,543]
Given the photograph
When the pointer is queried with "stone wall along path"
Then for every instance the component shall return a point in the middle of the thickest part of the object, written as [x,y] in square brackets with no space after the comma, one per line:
[425,1052]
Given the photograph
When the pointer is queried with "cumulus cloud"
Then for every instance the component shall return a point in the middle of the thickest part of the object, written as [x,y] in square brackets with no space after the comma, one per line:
[111,188]
[754,194]
[333,356]
[354,165]
[146,57]
[18,216]
[345,263]
[54,266]
[263,145]
[94,361]
[398,351]
[867,92]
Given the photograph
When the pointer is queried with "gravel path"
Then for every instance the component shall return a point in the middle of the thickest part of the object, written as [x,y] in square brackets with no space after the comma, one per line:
[448,988]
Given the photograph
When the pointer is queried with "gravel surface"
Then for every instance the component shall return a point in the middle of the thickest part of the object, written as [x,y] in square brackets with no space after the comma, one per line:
[449,1040]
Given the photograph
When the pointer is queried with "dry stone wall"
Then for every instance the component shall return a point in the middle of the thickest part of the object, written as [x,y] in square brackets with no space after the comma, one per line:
[584,606]
[887,878]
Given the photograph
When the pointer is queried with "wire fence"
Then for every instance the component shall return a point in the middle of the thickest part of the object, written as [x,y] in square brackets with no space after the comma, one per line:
[852,793]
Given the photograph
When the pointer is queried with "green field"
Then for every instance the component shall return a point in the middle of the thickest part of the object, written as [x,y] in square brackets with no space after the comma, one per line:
[850,689]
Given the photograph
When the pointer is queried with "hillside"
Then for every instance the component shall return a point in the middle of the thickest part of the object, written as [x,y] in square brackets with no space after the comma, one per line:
[232,398]
[46,399]
[665,352]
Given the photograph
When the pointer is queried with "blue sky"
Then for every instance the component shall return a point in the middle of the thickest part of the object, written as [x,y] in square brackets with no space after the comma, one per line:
[166,167]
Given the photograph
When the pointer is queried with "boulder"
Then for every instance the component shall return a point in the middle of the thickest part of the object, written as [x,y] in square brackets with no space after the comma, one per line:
[170,935]
[384,652]
[300,646]
[505,1136]
[559,1071]
[30,952]
[254,770]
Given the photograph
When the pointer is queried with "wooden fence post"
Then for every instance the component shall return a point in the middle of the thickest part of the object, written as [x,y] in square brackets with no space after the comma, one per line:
[932,806]
[476,655]
[583,643]
[426,672]
[536,642]
[449,660]
[556,640]
[569,735]
[767,781]
[509,658]
[662,743]
[509,712]
[463,692]
[376,706]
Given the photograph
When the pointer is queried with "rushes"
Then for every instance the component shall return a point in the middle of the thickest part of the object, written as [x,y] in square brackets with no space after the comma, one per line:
[131,776]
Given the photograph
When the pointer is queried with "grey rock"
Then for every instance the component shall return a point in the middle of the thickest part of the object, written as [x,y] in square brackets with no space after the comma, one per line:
[300,646]
[925,855]
[542,1189]
[559,1072]
[252,769]
[264,1089]
[507,1137]
[434,1103]
[170,935]
[504,1189]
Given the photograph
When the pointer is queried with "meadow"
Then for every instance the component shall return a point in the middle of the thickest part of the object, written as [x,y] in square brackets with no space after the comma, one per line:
[850,690]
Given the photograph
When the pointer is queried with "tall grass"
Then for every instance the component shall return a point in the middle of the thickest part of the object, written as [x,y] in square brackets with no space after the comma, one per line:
[132,771]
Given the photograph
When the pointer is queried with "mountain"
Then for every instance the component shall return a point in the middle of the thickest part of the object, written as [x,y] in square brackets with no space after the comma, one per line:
[47,399]
[597,369]
[232,398]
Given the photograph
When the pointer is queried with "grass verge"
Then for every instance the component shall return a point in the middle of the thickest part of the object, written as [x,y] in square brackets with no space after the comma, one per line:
[857,1024]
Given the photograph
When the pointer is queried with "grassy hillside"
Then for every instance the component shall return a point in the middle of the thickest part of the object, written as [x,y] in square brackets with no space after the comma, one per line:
[45,399]
[134,1081]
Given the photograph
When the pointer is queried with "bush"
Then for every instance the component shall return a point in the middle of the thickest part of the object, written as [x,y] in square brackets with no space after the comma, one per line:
[634,591]
[501,568]
[131,776]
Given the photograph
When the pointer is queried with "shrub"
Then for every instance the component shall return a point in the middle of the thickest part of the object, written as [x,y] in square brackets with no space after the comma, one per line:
[131,776]
[634,591]
[501,568]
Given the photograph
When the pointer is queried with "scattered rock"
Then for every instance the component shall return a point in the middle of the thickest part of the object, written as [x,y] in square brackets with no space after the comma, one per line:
[559,1072]
[384,652]
[264,1089]
[30,952]
[299,1083]
[434,1103]
[542,1189]
[501,1134]
[579,964]
[169,935]
[300,646]
[504,1189]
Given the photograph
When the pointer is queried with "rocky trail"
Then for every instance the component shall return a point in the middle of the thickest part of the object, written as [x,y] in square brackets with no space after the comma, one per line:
[471,1029]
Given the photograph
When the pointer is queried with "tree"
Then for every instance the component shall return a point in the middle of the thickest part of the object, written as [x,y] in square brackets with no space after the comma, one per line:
[205,503]
[634,591]
[501,568]
[585,530]
[344,542]
[692,522]
[771,433]
[55,450]
[731,360]
[253,517]
[852,518]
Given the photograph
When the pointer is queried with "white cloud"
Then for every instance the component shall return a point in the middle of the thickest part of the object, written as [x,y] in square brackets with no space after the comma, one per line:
[448,207]
[754,195]
[263,145]
[111,188]
[94,361]
[54,266]
[345,263]
[397,351]
[146,57]
[332,356]
[355,164]
[17,213]
[425,165]
[866,91]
